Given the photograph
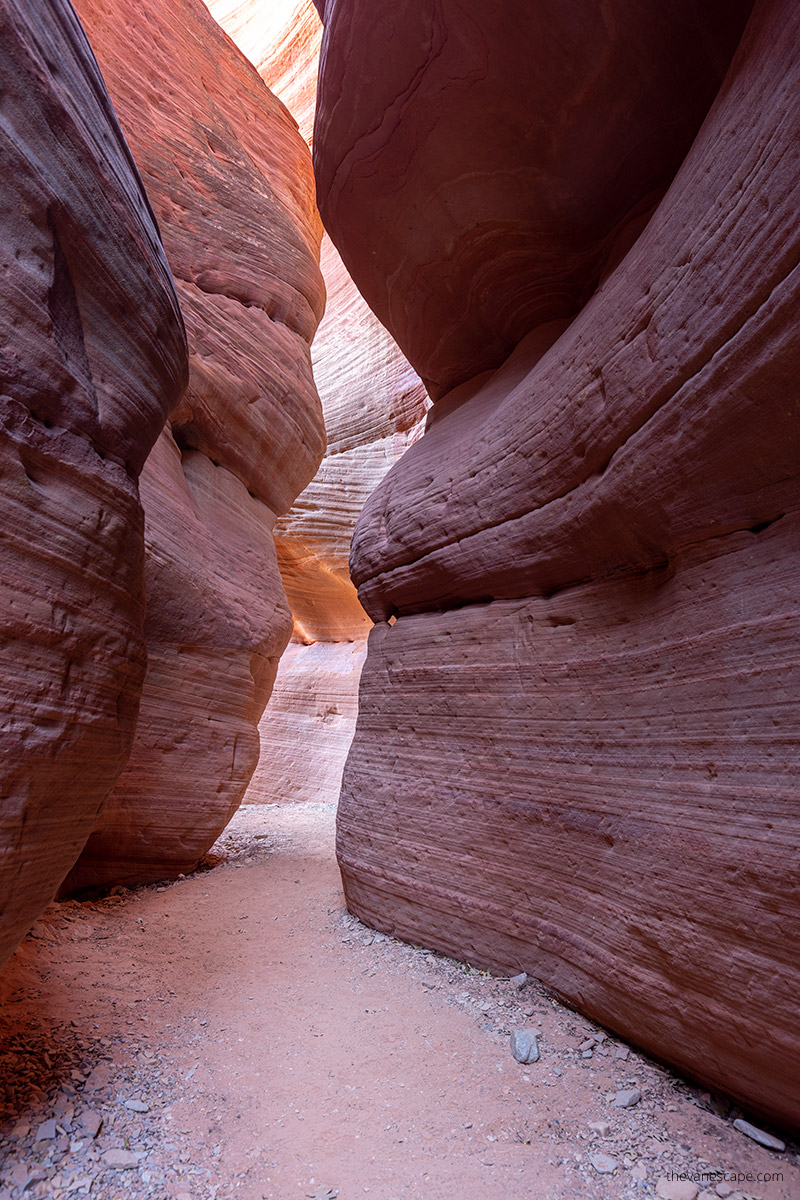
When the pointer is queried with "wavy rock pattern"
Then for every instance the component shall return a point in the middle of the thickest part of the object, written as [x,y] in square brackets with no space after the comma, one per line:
[574,754]
[374,406]
[230,180]
[479,182]
[92,357]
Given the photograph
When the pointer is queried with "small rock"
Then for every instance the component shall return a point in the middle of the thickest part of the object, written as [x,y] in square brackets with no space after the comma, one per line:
[724,1189]
[589,1044]
[587,1054]
[120,1160]
[46,1131]
[20,1131]
[137,1106]
[676,1189]
[639,1172]
[622,1052]
[524,1045]
[759,1135]
[601,1128]
[603,1163]
[627,1098]
[91,1123]
[519,981]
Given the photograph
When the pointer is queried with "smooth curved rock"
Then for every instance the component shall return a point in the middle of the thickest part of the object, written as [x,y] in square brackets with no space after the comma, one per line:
[308,724]
[92,357]
[479,166]
[585,769]
[374,403]
[217,623]
[230,179]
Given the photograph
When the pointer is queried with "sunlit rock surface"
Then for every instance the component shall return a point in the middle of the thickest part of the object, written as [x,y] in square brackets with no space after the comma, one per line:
[229,177]
[92,357]
[308,725]
[575,751]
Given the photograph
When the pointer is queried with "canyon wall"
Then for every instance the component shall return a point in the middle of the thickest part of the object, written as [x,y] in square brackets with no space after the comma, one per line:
[374,405]
[92,358]
[575,748]
[230,180]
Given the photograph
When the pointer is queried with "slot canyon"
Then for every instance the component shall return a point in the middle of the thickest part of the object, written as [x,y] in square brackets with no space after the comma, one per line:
[401,475]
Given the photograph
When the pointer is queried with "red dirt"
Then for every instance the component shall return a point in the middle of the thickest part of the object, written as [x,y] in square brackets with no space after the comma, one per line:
[283,1050]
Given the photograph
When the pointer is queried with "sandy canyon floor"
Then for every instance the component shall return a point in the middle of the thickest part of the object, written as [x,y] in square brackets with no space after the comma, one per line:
[237,1035]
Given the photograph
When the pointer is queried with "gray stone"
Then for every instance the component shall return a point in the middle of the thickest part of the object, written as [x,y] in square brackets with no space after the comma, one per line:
[137,1106]
[627,1098]
[46,1131]
[603,1163]
[524,1045]
[519,981]
[759,1135]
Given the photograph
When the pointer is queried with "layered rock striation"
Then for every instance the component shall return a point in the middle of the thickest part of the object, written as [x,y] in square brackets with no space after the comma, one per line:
[374,405]
[574,753]
[230,179]
[92,358]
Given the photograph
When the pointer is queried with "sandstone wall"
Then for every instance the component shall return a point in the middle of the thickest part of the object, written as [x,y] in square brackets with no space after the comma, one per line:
[230,180]
[575,753]
[374,406]
[92,357]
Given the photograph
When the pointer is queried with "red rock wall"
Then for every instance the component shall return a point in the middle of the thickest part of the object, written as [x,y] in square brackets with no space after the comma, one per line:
[575,750]
[230,180]
[308,724]
[92,357]
[374,406]
[478,167]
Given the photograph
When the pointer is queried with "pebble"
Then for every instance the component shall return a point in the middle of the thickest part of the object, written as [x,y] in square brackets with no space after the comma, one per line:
[724,1189]
[603,1163]
[601,1128]
[627,1098]
[622,1052]
[676,1189]
[520,980]
[137,1106]
[524,1045]
[120,1160]
[639,1172]
[759,1135]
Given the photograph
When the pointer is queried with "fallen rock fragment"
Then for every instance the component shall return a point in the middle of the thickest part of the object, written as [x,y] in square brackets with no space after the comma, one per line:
[520,980]
[627,1098]
[759,1135]
[524,1045]
[120,1160]
[601,1128]
[137,1106]
[91,1123]
[676,1189]
[604,1164]
[46,1131]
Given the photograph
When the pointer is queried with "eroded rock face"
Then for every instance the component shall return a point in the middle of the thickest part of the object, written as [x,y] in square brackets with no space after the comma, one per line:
[229,177]
[573,753]
[92,357]
[308,724]
[374,403]
[480,166]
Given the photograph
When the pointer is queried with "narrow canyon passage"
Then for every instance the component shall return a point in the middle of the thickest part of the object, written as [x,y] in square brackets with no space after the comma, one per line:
[240,1035]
